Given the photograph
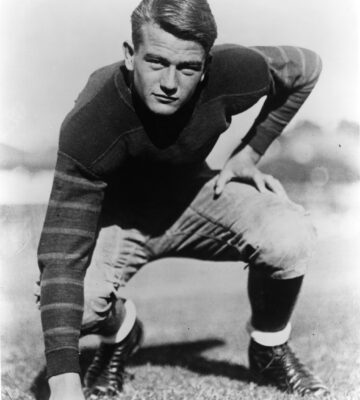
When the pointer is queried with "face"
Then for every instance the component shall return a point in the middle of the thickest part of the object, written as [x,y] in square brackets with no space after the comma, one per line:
[166,69]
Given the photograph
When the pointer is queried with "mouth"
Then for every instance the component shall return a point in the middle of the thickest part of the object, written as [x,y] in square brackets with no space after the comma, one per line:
[165,99]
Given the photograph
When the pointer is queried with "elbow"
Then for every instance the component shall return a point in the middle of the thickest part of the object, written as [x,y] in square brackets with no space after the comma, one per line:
[318,66]
[314,66]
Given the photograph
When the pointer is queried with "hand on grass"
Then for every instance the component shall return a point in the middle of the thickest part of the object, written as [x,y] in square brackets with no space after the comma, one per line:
[66,387]
[242,166]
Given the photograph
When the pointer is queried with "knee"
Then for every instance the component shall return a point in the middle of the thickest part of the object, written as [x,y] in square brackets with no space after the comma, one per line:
[103,313]
[99,300]
[282,239]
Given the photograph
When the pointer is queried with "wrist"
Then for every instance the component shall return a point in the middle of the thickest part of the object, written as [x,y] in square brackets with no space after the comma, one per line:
[246,158]
[69,380]
[251,154]
[62,361]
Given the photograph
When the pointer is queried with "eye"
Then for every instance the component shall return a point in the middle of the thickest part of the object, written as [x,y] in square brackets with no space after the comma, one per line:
[188,71]
[155,64]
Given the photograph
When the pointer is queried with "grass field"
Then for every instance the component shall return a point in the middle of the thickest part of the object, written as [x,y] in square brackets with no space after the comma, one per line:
[195,314]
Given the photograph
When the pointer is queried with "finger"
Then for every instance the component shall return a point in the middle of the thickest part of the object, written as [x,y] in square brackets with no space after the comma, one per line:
[223,178]
[219,185]
[275,186]
[259,181]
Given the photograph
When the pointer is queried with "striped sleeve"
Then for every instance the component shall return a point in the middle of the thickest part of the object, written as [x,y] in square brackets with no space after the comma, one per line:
[294,72]
[64,252]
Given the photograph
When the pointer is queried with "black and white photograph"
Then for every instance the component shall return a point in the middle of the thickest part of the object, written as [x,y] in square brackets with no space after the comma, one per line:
[180,199]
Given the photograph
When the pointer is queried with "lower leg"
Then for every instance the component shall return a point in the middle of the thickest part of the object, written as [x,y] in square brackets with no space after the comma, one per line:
[114,319]
[270,357]
[119,323]
[272,301]
[121,335]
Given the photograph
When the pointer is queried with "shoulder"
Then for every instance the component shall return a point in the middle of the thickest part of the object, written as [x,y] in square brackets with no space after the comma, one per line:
[97,82]
[237,70]
[97,119]
[99,85]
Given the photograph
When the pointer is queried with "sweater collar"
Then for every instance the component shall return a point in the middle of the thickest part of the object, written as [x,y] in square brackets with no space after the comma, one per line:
[123,85]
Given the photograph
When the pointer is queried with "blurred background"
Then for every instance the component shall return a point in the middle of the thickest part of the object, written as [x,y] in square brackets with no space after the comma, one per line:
[49,48]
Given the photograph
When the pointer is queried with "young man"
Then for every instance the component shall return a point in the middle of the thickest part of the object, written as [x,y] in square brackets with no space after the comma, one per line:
[131,182]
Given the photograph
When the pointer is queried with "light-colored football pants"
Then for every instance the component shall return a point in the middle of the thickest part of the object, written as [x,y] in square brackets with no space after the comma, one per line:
[271,235]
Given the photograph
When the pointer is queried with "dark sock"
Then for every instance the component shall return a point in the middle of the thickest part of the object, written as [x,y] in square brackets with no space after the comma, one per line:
[272,300]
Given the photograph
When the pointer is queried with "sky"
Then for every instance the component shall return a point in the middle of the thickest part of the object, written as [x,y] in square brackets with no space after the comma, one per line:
[50,47]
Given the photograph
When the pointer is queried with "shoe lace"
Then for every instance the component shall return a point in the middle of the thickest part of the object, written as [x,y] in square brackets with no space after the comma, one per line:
[107,373]
[99,363]
[297,376]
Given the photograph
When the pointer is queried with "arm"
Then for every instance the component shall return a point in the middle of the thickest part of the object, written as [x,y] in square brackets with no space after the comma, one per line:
[64,253]
[293,73]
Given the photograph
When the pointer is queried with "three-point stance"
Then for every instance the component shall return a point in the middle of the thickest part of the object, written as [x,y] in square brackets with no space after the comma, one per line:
[131,185]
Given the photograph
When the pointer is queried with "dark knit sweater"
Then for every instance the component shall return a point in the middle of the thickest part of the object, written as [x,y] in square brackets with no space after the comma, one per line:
[113,152]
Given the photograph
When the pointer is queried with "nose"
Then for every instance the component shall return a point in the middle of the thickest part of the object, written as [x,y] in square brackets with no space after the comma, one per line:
[169,83]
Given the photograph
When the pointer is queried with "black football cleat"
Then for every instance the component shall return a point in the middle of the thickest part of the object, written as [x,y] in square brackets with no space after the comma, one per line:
[278,366]
[106,374]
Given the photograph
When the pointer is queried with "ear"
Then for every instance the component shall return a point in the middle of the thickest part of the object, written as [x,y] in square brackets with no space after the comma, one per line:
[129,56]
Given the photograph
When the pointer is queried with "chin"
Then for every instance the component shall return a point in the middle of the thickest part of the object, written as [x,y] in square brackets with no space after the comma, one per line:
[162,109]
